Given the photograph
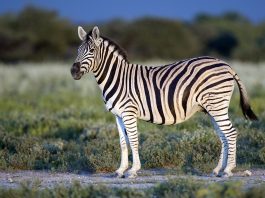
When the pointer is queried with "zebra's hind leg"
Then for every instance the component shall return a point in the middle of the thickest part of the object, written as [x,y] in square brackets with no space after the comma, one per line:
[124,150]
[227,134]
[223,156]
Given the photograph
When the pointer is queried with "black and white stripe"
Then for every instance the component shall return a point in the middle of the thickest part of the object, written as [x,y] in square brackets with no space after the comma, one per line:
[166,95]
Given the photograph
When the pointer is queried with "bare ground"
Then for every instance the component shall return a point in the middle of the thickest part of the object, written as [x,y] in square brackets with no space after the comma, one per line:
[145,179]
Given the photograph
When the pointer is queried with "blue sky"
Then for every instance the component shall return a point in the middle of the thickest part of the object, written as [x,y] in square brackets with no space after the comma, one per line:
[100,10]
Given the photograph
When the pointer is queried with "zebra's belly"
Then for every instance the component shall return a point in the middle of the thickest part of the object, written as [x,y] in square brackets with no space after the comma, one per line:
[157,120]
[168,119]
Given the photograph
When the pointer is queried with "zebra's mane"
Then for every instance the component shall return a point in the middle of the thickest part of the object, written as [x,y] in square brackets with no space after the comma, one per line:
[116,46]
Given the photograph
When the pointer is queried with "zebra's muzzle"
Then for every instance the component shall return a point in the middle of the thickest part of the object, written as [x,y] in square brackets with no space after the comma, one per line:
[76,71]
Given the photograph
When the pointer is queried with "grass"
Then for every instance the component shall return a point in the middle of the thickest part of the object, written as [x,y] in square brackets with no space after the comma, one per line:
[49,121]
[174,188]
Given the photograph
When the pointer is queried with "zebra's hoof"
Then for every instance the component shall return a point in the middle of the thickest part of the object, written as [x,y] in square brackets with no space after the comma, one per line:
[217,174]
[119,175]
[228,174]
[213,174]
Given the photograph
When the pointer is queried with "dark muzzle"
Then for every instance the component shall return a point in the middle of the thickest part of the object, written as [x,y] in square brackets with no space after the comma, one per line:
[75,68]
[75,71]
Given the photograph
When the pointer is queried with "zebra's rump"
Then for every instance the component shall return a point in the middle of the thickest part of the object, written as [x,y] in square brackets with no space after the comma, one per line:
[173,93]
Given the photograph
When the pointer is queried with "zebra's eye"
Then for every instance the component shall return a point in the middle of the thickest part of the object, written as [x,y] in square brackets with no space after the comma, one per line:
[91,50]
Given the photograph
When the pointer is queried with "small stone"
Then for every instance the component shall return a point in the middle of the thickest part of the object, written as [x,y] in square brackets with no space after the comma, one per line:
[247,173]
[10,180]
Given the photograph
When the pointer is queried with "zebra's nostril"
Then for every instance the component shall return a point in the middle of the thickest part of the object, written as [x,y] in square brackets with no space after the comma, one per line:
[72,70]
[75,68]
[77,64]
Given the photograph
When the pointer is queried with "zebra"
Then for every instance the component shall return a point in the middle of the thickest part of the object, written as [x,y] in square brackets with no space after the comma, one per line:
[165,95]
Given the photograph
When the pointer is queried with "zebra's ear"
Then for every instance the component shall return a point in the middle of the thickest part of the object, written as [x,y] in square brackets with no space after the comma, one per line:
[95,33]
[96,36]
[81,33]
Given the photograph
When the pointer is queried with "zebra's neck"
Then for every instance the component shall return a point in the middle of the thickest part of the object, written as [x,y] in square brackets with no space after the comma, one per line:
[117,77]
[111,69]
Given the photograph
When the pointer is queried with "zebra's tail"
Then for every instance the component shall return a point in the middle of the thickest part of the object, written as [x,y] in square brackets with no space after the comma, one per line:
[244,101]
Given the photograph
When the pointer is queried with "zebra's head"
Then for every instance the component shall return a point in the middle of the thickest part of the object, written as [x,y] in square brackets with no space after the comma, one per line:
[88,52]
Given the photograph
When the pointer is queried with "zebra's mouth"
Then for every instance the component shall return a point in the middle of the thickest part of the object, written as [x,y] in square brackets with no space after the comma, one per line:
[78,76]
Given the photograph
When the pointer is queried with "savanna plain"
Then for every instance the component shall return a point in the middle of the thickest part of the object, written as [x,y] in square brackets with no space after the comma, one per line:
[51,124]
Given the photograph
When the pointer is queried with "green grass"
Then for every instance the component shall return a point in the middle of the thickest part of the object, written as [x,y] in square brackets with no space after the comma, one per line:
[49,121]
[174,188]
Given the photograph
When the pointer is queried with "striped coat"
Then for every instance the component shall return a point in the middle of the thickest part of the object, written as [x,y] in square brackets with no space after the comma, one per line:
[167,94]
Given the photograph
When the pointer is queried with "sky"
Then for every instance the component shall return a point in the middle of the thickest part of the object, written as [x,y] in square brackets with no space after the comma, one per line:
[82,11]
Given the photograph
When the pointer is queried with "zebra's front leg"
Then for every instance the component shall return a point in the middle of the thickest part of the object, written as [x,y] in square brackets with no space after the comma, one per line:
[130,123]
[124,150]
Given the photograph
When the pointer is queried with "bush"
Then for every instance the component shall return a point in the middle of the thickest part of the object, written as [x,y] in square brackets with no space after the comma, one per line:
[177,188]
[174,188]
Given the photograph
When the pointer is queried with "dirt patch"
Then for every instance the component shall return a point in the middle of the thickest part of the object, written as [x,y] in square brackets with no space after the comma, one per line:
[146,179]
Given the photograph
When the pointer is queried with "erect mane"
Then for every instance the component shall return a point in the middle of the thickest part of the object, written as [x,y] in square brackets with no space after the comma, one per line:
[116,46]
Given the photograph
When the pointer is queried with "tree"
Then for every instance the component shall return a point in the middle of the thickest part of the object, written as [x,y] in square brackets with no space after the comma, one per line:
[34,34]
[223,44]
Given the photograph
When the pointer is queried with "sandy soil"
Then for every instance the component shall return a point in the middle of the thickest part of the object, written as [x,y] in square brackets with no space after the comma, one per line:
[146,178]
